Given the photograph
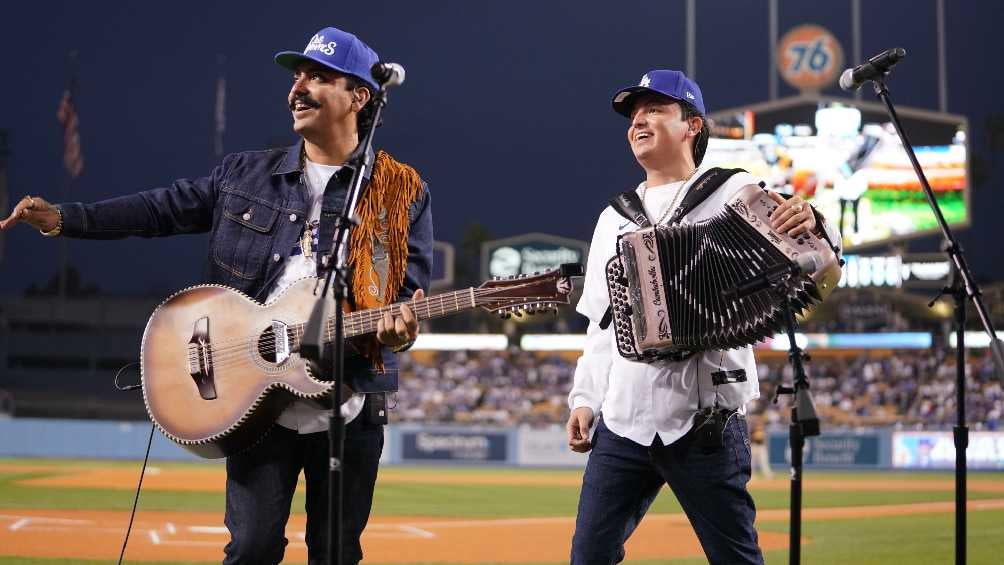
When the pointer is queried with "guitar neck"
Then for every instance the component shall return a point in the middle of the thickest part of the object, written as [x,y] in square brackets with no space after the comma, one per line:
[365,321]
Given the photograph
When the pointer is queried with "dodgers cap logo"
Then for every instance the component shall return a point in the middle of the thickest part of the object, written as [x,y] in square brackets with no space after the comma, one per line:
[673,84]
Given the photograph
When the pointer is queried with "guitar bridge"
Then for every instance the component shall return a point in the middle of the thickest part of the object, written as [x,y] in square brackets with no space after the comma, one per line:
[200,359]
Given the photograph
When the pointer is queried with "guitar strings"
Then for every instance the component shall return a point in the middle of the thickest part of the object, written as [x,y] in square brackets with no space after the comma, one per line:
[224,357]
[220,355]
[224,352]
[355,319]
[362,317]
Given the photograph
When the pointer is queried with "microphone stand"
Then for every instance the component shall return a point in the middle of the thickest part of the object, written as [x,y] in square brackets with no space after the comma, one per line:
[804,421]
[319,335]
[963,286]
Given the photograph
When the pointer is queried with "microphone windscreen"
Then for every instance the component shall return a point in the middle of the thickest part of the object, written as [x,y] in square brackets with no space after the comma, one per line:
[847,80]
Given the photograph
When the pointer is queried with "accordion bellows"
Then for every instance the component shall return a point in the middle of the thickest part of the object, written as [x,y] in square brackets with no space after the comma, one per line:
[667,283]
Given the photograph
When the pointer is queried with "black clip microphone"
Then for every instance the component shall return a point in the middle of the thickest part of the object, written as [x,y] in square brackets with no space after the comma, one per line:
[804,264]
[876,67]
[387,74]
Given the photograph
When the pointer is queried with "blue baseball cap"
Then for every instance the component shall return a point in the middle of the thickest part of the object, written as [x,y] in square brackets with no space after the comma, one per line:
[336,49]
[673,84]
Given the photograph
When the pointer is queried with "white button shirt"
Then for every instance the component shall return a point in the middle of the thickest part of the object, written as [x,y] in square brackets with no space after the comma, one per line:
[640,400]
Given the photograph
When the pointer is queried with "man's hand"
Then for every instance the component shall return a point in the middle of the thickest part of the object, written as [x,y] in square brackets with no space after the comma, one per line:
[577,427]
[793,215]
[395,331]
[34,211]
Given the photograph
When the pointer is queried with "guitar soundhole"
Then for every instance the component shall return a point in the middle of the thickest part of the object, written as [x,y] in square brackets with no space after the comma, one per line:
[273,343]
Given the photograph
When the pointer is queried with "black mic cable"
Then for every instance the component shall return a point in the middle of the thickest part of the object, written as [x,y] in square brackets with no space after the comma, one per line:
[146,458]
[139,486]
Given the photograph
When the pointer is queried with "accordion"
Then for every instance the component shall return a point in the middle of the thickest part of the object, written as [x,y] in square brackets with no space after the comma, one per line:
[667,283]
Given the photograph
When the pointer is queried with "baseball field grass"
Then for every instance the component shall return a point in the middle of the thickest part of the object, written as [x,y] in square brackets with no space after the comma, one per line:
[59,511]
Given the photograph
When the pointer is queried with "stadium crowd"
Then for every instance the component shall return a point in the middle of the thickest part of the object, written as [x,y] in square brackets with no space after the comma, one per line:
[912,389]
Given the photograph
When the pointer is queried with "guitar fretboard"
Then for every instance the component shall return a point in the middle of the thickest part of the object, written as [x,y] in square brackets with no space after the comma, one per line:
[365,321]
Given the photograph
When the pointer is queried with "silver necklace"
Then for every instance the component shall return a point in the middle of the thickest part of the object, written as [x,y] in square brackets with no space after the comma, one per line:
[676,198]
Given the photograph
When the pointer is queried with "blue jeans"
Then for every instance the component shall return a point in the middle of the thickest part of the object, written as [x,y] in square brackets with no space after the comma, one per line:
[261,481]
[622,479]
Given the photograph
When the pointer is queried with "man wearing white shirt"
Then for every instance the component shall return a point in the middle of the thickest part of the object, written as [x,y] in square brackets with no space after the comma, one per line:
[638,419]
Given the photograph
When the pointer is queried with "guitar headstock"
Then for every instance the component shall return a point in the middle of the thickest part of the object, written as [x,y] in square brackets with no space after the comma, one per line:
[528,294]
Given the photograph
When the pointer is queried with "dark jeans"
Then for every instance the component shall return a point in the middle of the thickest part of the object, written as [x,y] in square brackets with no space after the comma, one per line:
[622,479]
[261,481]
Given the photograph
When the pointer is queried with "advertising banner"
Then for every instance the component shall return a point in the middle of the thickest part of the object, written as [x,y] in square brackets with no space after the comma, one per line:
[829,450]
[546,447]
[936,450]
[453,445]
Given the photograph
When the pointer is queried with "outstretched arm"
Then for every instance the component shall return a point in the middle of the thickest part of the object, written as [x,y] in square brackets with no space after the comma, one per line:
[36,212]
[186,206]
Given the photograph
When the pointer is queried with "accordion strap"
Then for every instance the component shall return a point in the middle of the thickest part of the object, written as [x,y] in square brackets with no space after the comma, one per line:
[701,189]
[629,205]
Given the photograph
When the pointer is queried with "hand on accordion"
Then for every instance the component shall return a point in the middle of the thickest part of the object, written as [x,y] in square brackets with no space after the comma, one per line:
[793,216]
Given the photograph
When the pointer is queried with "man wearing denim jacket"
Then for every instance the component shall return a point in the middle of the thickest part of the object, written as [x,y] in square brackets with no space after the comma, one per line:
[269,218]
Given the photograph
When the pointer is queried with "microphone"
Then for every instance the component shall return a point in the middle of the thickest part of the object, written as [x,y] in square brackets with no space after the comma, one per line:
[876,67]
[803,265]
[387,74]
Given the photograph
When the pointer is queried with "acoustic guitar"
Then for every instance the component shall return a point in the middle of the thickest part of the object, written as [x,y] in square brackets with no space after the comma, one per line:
[219,367]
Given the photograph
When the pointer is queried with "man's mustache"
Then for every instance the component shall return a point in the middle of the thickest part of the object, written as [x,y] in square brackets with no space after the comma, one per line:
[306,99]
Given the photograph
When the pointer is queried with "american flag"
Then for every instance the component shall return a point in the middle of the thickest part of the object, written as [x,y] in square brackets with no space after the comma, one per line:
[73,159]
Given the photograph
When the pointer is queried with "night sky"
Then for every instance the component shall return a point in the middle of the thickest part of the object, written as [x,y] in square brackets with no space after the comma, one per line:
[505,111]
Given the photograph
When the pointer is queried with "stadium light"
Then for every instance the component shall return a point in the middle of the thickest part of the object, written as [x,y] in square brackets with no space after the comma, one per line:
[974,340]
[458,342]
[883,340]
[552,342]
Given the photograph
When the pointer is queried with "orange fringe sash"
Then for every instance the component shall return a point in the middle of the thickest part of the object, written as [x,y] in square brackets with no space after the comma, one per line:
[383,217]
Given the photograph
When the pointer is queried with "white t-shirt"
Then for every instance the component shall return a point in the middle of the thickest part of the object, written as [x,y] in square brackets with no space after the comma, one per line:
[658,199]
[302,415]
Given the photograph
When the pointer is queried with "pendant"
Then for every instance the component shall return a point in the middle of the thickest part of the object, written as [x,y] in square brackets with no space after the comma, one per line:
[307,242]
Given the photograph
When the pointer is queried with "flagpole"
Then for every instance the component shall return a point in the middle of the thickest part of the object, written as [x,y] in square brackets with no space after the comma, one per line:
[62,251]
[65,196]
[220,113]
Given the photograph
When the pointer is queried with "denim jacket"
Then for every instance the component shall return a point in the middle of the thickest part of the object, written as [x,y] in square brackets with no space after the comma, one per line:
[253,205]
